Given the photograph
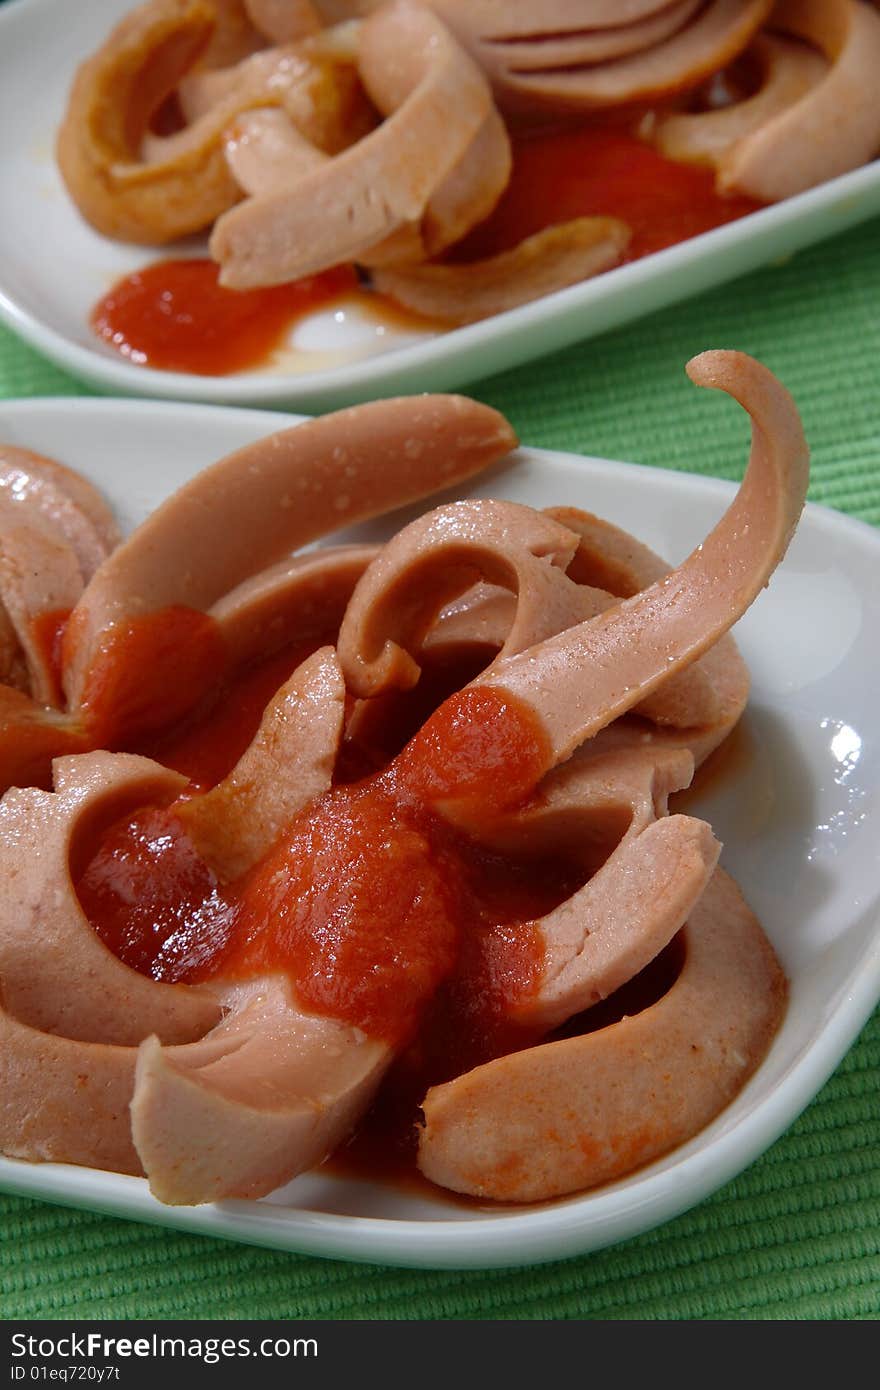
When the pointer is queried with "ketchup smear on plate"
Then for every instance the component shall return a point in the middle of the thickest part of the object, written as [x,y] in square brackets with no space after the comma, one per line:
[601,171]
[177,317]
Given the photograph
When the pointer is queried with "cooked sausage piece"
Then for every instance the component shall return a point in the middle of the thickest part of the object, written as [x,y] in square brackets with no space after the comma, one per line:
[633,647]
[287,1089]
[57,974]
[567,1115]
[434,560]
[715,36]
[835,126]
[293,601]
[277,495]
[788,70]
[550,260]
[379,186]
[289,762]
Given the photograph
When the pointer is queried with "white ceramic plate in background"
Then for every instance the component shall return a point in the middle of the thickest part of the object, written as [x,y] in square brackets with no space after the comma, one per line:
[797,813]
[53,267]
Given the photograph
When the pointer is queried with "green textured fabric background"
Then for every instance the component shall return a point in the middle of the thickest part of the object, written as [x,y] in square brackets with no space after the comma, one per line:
[797,1236]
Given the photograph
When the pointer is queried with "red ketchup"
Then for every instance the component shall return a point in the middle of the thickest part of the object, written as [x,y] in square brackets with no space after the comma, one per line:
[175,315]
[380,912]
[366,899]
[601,171]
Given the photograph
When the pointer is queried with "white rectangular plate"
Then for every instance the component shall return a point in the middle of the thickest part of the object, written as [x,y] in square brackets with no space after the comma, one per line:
[797,816]
[53,267]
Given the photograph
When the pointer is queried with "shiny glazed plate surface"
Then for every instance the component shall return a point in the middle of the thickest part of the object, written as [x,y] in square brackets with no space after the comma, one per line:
[795,803]
[54,267]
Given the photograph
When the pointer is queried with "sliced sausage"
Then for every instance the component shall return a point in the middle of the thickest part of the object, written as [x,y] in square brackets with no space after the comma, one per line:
[567,1115]
[57,975]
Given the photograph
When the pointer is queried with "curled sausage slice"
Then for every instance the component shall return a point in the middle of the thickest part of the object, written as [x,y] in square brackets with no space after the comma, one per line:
[74,986]
[435,559]
[788,70]
[465,197]
[582,44]
[283,21]
[320,97]
[549,260]
[405,608]
[716,687]
[707,697]
[466,635]
[646,870]
[289,762]
[266,1092]
[501,19]
[473,184]
[274,496]
[265,151]
[314,87]
[113,97]
[383,183]
[65,1101]
[40,579]
[592,803]
[65,499]
[55,529]
[136,186]
[570,1114]
[620,920]
[835,127]
[286,1091]
[721,31]
[293,601]
[633,647]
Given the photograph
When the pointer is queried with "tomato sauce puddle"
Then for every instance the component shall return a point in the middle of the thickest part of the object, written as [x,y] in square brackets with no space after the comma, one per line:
[175,316]
[601,171]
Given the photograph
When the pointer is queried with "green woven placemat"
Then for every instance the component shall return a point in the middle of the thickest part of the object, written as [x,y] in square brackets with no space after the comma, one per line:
[798,1234]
